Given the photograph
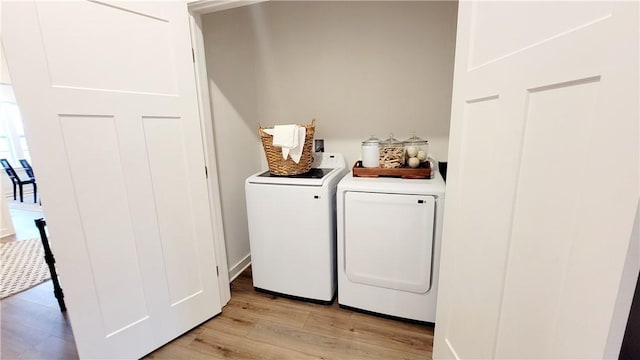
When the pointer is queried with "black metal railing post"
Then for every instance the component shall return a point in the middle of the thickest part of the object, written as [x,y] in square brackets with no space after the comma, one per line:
[50,260]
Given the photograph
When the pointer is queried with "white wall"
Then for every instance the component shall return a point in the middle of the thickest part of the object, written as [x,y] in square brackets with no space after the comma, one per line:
[230,54]
[6,225]
[4,70]
[359,68]
[5,184]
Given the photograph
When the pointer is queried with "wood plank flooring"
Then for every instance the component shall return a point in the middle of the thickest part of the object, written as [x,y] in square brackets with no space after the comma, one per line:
[260,326]
[32,326]
[253,325]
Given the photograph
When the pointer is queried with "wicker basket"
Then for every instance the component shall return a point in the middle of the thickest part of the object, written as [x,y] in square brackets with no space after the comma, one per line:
[280,166]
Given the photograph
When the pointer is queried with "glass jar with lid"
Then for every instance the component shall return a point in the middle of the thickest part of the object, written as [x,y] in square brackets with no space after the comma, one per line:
[371,152]
[391,153]
[416,147]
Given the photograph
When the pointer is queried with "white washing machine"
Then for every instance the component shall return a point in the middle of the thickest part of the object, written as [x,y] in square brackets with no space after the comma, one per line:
[292,230]
[389,233]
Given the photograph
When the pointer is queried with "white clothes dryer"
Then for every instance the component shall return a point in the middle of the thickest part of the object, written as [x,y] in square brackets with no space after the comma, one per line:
[292,230]
[389,233]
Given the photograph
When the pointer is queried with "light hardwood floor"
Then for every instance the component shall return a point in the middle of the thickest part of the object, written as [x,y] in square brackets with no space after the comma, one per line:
[252,325]
[260,326]
[33,326]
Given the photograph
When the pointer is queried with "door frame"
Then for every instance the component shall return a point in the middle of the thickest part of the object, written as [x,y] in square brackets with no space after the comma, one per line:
[198,8]
[206,124]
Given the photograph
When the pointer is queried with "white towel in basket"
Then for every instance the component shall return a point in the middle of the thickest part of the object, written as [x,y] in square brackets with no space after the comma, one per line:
[285,136]
[290,138]
[296,152]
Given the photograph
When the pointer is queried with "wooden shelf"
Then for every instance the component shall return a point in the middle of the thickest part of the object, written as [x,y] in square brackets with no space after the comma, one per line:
[423,172]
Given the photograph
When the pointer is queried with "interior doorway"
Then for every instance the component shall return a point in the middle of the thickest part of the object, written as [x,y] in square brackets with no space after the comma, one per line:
[15,149]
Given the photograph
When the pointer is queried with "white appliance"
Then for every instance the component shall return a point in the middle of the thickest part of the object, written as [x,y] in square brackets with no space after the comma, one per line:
[292,230]
[389,233]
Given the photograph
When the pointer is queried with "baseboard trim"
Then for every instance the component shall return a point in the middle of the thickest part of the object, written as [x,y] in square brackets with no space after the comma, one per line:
[25,192]
[239,267]
[6,232]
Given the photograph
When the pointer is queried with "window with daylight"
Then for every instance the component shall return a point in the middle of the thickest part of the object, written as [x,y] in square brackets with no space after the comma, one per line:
[13,143]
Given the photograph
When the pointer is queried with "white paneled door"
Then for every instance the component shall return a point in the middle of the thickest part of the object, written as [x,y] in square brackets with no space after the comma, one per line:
[543,179]
[108,97]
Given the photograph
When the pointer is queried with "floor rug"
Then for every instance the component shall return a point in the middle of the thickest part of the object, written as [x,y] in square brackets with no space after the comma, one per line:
[22,266]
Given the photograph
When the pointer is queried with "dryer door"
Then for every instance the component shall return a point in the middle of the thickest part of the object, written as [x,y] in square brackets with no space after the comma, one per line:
[388,240]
